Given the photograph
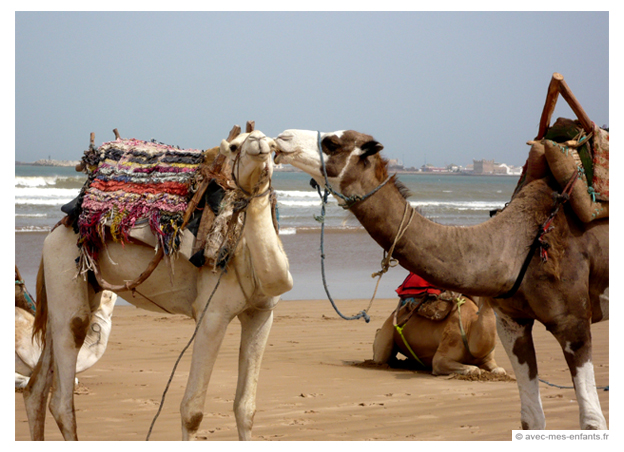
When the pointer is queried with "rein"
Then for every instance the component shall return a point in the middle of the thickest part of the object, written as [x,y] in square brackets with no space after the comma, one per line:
[539,241]
[349,201]
[241,209]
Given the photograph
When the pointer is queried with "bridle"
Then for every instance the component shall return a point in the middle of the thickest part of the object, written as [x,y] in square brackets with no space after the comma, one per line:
[349,201]
[261,180]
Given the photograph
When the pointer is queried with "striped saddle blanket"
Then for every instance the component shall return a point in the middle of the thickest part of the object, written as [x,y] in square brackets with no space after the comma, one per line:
[132,182]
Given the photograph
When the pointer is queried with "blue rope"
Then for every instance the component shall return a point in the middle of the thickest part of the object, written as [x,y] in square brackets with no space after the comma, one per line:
[321,219]
[592,193]
[604,388]
[349,200]
[29,299]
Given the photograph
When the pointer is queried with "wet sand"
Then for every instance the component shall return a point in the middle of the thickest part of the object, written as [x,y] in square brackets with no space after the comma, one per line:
[316,384]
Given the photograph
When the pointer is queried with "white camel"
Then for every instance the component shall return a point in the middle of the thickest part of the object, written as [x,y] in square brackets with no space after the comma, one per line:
[256,276]
[28,350]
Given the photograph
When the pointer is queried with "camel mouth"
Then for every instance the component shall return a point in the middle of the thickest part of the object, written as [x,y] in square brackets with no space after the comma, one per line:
[276,156]
[282,152]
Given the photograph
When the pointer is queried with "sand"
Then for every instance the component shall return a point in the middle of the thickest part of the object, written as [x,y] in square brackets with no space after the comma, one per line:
[316,383]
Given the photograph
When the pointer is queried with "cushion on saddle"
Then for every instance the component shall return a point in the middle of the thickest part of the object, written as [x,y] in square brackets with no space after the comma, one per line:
[567,150]
[589,162]
[132,181]
[416,286]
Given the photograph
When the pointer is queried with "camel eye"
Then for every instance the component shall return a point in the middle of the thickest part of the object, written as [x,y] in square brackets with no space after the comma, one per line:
[329,146]
[233,148]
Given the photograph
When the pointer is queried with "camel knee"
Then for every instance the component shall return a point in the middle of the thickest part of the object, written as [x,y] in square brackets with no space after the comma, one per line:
[383,344]
[190,424]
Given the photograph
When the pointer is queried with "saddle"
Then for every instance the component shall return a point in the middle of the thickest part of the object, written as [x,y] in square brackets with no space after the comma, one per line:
[157,195]
[424,299]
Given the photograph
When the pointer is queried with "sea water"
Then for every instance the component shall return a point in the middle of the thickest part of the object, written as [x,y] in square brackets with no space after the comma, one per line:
[351,255]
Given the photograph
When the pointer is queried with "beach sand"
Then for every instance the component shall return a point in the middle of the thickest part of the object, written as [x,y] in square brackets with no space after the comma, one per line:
[315,384]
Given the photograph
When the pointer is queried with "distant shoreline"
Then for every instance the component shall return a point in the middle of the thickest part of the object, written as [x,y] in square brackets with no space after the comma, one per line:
[50,162]
[289,169]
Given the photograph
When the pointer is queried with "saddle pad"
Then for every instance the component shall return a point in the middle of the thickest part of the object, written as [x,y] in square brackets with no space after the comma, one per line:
[415,286]
[601,164]
[436,309]
[131,180]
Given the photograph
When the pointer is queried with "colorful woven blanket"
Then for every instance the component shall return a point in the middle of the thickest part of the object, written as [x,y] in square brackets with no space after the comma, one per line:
[132,181]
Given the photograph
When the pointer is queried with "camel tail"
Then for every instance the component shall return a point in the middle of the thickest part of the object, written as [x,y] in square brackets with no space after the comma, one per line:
[41,317]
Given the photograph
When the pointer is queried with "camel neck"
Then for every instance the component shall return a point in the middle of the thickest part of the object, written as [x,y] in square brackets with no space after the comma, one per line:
[482,260]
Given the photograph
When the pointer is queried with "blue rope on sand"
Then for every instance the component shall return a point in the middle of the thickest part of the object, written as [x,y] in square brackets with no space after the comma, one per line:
[604,388]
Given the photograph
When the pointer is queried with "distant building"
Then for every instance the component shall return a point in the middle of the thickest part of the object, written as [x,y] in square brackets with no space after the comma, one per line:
[483,166]
[395,165]
[507,170]
[432,169]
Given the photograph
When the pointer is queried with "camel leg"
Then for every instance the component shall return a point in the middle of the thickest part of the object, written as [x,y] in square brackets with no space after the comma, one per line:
[517,339]
[36,393]
[450,353]
[68,321]
[207,343]
[255,328]
[490,365]
[383,346]
[68,333]
[444,365]
[576,344]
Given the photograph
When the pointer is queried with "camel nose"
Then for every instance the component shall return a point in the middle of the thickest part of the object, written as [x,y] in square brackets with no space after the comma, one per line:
[284,137]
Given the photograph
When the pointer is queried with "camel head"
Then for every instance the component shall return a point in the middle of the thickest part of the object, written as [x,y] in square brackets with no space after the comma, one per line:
[352,159]
[250,154]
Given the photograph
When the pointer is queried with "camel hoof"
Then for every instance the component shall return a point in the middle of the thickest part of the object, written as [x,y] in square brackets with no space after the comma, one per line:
[499,371]
[471,371]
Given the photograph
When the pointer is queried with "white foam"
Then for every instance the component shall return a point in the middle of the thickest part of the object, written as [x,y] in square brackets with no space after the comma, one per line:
[46,197]
[288,231]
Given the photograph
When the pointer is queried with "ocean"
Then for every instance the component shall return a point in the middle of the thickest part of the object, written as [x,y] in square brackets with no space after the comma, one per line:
[351,255]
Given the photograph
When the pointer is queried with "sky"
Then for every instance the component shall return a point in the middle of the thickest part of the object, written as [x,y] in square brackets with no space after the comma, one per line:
[432,87]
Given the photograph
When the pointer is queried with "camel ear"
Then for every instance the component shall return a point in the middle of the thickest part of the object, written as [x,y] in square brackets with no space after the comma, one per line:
[227,149]
[369,148]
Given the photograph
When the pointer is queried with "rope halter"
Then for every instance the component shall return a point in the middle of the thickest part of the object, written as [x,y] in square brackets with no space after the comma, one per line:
[349,201]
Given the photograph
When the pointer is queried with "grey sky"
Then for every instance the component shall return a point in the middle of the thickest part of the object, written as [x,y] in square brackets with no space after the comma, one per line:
[442,87]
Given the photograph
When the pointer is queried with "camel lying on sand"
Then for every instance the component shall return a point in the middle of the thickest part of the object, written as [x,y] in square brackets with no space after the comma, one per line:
[257,274]
[28,350]
[567,293]
[461,342]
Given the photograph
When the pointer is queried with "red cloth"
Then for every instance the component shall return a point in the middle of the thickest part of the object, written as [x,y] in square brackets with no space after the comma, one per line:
[415,286]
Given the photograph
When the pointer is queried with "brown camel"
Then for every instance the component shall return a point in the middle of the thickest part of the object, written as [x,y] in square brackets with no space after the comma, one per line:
[566,294]
[460,341]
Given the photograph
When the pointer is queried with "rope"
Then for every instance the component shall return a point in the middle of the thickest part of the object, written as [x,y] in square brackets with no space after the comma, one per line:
[349,201]
[197,325]
[460,301]
[29,299]
[604,388]
[321,219]
[399,329]
[387,260]
[539,242]
[243,209]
